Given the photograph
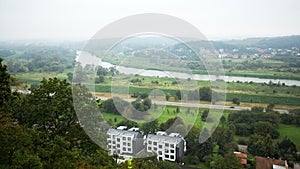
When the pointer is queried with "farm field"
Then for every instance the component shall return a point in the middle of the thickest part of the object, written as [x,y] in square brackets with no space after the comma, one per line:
[247,93]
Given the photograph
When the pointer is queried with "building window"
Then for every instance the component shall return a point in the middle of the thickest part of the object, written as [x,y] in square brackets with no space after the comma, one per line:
[149,148]
[172,157]
[119,152]
[129,138]
[172,151]
[124,138]
[166,156]
[155,149]
[129,149]
[167,144]
[124,143]
[172,145]
[109,146]
[114,142]
[159,153]
[118,145]
[118,139]
[155,143]
[124,149]
[129,144]
[159,146]
[166,151]
[149,142]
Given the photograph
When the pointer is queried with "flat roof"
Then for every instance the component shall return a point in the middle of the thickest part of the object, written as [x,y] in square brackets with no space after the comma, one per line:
[127,133]
[164,138]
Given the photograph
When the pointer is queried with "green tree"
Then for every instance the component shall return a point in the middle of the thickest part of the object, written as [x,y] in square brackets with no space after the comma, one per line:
[5,80]
[108,106]
[50,107]
[150,127]
[270,107]
[236,101]
[204,115]
[147,103]
[167,165]
[70,76]
[16,145]
[265,128]
[223,136]
[179,94]
[229,161]
[295,113]
[262,146]
[223,120]
[168,95]
[257,109]
[172,121]
[243,129]
[273,118]
[205,93]
[287,150]
[101,71]
[128,123]
[100,79]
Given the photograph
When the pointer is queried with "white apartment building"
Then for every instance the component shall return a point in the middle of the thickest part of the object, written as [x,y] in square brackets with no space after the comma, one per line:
[167,147]
[124,142]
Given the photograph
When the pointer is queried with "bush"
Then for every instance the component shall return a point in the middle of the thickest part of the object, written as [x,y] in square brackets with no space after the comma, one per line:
[242,141]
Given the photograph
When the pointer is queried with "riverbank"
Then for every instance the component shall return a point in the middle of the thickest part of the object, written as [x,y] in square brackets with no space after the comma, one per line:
[87,58]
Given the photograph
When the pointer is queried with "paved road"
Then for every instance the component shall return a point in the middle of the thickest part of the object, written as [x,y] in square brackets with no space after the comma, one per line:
[197,105]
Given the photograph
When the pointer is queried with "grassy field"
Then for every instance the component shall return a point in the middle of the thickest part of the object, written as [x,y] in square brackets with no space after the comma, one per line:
[162,115]
[36,77]
[243,97]
[292,132]
[263,73]
[245,92]
[173,64]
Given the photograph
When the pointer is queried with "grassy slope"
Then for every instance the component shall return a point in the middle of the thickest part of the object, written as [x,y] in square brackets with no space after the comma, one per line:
[291,132]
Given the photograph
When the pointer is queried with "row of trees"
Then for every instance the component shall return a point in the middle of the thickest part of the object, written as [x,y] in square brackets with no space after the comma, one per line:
[249,122]
[109,106]
[204,94]
[292,118]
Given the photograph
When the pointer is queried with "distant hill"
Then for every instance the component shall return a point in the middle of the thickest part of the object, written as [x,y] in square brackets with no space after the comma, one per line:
[264,42]
[284,42]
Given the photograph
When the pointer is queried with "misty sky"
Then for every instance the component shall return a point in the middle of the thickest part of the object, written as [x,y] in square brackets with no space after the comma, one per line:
[79,20]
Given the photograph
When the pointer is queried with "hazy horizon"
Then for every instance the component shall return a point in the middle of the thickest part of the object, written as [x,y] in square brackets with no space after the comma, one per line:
[80,20]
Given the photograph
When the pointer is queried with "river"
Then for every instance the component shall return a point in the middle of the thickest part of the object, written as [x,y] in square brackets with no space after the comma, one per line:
[86,58]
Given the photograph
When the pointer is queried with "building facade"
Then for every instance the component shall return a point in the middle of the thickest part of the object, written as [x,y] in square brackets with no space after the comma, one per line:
[128,143]
[167,147]
[124,142]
